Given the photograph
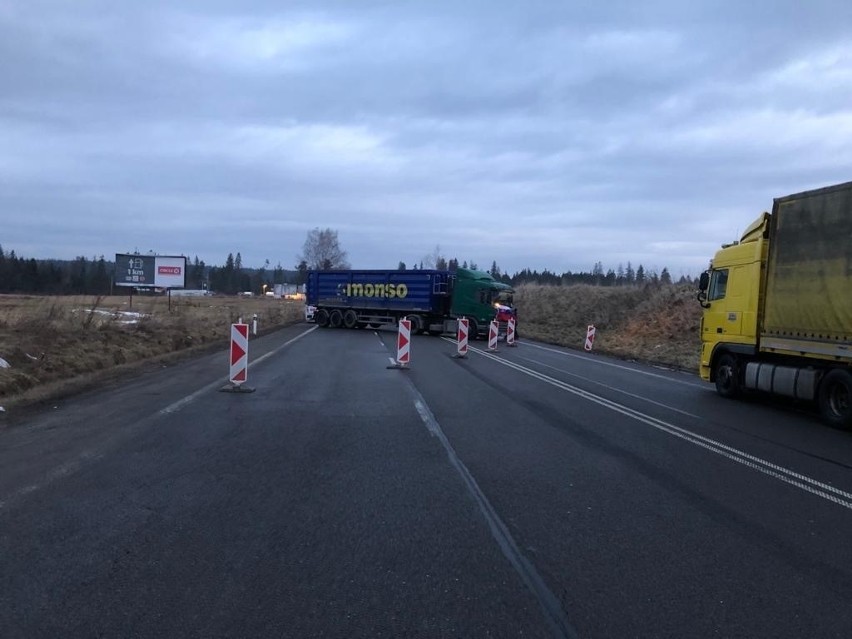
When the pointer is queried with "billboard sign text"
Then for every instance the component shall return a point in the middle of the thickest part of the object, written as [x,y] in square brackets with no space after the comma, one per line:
[160,271]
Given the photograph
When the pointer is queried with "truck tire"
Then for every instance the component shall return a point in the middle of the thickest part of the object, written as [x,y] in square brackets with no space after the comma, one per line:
[350,319]
[472,330]
[335,319]
[322,318]
[416,324]
[835,399]
[727,376]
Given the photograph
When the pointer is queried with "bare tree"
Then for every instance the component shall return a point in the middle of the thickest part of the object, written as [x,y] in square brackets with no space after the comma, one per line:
[434,260]
[322,251]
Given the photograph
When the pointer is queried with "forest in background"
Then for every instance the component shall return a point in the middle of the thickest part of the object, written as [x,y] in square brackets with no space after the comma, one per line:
[94,276]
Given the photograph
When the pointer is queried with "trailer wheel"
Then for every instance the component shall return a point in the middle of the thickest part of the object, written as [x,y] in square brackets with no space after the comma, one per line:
[835,399]
[335,319]
[727,375]
[322,318]
[350,318]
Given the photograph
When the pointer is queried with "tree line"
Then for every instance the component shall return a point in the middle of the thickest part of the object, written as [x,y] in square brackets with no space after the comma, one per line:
[596,277]
[94,276]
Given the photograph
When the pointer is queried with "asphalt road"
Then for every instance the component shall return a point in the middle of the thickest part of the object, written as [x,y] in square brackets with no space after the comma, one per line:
[531,492]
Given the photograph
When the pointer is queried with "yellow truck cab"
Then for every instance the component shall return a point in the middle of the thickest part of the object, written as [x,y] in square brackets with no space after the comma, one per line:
[778,308]
[732,295]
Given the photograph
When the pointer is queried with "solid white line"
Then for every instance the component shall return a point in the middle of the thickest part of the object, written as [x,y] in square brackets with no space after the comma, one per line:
[284,345]
[803,482]
[595,360]
[613,388]
[181,403]
[87,456]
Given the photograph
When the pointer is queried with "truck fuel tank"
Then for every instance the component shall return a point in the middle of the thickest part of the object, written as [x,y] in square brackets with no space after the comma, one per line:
[800,383]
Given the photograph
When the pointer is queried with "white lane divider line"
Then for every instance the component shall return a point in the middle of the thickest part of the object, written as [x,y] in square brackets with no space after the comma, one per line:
[803,482]
[602,362]
[614,389]
[550,605]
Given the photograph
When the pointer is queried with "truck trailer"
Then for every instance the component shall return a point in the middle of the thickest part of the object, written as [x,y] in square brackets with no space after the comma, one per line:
[432,300]
[778,305]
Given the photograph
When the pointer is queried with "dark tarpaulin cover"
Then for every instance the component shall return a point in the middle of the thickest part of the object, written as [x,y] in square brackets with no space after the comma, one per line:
[809,279]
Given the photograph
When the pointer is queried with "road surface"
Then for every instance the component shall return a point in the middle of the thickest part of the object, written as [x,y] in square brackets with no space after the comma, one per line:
[531,492]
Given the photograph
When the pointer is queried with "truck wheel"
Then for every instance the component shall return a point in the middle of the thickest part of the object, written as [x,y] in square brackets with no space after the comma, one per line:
[835,399]
[350,319]
[727,375]
[472,330]
[335,319]
[322,318]
[416,324]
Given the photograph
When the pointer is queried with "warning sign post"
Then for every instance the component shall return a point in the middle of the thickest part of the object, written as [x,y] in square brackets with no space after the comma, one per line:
[590,338]
[403,345]
[238,360]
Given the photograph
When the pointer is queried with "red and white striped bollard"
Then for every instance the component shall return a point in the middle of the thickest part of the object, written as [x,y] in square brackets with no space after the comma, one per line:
[492,335]
[590,337]
[403,343]
[510,332]
[462,339]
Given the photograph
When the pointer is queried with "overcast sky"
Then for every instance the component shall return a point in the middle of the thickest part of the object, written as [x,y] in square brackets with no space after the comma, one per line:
[539,134]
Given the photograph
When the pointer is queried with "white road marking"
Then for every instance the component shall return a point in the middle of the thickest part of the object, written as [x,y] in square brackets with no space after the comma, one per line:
[601,362]
[803,482]
[550,604]
[614,389]
[179,404]
[73,465]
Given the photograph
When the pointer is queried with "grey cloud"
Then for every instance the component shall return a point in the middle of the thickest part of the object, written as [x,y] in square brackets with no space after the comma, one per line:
[542,134]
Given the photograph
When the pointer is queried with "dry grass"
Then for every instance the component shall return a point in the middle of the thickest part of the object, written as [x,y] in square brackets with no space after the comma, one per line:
[657,325]
[58,344]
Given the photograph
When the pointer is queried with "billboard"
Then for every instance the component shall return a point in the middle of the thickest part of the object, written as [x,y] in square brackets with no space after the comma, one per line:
[160,271]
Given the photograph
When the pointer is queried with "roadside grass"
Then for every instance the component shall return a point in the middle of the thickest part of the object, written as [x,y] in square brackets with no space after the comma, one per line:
[658,325]
[58,345]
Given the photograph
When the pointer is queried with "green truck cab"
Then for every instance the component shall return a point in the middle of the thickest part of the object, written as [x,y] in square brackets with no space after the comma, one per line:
[477,296]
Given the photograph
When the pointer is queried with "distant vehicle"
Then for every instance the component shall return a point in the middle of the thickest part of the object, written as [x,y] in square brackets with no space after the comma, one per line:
[245,294]
[289,292]
[778,305]
[433,300]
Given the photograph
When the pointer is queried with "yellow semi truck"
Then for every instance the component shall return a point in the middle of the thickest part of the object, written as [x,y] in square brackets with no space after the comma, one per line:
[778,305]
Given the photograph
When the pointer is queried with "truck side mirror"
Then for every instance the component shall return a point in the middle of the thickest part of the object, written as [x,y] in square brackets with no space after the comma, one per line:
[704,281]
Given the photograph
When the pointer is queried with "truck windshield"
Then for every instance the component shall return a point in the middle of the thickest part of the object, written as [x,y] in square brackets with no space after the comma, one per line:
[502,297]
[718,285]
